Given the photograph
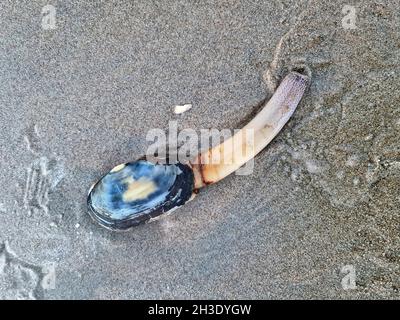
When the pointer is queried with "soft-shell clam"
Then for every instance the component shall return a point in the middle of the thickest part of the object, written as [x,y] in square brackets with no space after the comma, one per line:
[136,192]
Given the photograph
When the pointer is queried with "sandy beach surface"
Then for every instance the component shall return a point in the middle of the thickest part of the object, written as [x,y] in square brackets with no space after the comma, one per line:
[319,217]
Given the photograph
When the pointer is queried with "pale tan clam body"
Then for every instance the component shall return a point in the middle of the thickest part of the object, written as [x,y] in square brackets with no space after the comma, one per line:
[237,150]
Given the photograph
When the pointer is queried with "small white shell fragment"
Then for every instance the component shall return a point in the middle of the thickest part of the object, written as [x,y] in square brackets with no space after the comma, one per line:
[182,108]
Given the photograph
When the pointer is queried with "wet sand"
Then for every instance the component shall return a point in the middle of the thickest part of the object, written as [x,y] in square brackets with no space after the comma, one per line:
[79,99]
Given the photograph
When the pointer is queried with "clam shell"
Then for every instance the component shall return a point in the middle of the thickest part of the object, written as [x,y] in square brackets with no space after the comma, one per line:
[135,192]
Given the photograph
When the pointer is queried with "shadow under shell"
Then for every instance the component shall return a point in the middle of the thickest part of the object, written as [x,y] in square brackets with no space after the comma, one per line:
[135,192]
